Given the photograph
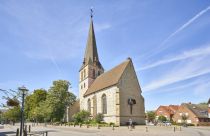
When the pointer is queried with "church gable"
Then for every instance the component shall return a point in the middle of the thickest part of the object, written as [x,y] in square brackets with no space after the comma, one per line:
[129,89]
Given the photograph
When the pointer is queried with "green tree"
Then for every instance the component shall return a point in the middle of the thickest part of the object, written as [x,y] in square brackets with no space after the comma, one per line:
[13,114]
[184,118]
[150,116]
[32,104]
[162,118]
[58,99]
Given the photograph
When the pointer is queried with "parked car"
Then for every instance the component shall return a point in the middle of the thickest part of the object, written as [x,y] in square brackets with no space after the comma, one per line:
[167,123]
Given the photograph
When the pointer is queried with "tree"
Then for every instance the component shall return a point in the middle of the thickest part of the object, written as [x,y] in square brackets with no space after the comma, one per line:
[12,102]
[184,118]
[32,104]
[13,114]
[150,116]
[162,118]
[58,99]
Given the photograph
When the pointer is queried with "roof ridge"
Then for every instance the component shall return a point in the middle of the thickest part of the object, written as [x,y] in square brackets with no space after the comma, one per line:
[113,74]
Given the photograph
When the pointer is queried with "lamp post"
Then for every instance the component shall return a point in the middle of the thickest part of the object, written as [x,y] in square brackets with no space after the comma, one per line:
[23,91]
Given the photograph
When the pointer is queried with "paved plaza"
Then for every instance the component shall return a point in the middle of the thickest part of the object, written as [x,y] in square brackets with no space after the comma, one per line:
[118,131]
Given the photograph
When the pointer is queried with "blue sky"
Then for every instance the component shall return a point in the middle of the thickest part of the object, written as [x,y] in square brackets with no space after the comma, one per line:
[169,42]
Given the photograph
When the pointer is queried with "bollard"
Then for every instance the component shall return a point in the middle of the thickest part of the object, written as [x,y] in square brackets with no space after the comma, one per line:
[98,126]
[25,128]
[80,125]
[17,132]
[87,126]
[130,128]
[174,129]
[74,124]
[46,133]
[29,128]
[25,132]
[112,127]
[146,129]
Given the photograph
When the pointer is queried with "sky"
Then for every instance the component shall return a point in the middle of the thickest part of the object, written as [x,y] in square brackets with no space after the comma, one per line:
[168,41]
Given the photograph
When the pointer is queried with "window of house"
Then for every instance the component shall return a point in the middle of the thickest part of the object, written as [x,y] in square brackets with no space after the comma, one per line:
[84,85]
[89,105]
[104,104]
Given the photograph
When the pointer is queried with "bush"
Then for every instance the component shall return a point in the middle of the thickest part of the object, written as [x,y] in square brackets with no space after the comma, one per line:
[81,116]
[99,117]
[162,118]
[111,123]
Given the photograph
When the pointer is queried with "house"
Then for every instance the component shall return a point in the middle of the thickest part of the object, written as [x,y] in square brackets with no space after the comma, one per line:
[196,114]
[167,111]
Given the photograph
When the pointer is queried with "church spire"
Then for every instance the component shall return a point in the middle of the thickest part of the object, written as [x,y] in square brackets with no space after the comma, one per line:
[91,53]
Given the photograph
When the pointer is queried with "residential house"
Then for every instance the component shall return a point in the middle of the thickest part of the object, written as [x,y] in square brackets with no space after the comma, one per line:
[167,111]
[196,114]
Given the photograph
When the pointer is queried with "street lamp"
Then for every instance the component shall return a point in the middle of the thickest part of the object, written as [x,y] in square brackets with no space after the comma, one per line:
[23,90]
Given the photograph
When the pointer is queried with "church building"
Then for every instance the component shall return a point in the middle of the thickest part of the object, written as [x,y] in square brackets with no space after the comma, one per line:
[115,93]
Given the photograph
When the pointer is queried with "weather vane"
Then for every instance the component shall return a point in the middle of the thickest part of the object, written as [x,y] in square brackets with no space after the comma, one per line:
[91,12]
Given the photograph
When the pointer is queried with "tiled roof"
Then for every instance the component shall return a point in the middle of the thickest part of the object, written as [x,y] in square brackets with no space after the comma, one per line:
[199,110]
[108,78]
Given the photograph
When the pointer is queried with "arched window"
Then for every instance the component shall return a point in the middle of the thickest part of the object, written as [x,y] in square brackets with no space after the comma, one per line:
[104,104]
[89,105]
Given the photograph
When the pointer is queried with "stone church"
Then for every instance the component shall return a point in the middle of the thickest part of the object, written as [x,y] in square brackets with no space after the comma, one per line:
[115,93]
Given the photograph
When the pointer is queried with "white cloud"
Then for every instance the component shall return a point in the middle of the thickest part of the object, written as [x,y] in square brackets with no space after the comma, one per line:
[205,50]
[189,22]
[194,68]
[101,27]
[162,45]
[202,89]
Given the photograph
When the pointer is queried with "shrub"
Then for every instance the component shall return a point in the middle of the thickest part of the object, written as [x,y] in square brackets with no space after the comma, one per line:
[162,118]
[111,123]
[81,116]
[99,117]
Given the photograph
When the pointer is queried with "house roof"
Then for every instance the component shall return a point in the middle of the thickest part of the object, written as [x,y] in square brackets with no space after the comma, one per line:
[201,111]
[108,78]
[173,108]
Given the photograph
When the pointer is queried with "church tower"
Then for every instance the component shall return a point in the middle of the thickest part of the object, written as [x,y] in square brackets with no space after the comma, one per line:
[91,66]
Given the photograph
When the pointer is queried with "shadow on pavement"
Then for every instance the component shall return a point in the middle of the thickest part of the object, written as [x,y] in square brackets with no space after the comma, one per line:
[7,133]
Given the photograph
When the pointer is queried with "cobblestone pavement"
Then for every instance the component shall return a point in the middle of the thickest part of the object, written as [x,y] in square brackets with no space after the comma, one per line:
[118,131]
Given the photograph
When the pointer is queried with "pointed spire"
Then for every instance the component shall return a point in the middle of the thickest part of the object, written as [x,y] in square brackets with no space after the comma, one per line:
[91,53]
